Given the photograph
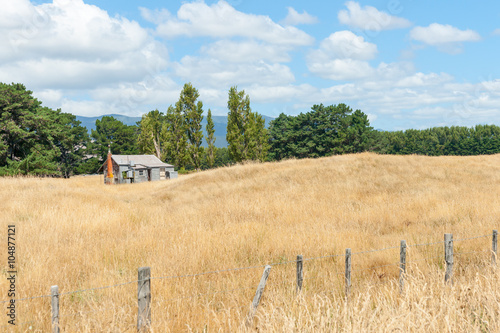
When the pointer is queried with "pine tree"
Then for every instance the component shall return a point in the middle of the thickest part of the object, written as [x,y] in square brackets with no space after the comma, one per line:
[36,140]
[210,139]
[123,138]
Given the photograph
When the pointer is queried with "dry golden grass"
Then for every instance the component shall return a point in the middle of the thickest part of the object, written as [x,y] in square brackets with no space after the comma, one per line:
[80,234]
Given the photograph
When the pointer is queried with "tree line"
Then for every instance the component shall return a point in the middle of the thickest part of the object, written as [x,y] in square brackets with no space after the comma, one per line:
[36,140]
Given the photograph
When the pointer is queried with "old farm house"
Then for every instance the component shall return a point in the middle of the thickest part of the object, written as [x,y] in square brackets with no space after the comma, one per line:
[126,169]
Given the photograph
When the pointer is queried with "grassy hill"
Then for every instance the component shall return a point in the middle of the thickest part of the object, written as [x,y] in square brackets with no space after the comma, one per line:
[79,234]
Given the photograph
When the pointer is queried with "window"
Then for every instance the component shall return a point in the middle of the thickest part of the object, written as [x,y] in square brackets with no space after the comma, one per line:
[141,172]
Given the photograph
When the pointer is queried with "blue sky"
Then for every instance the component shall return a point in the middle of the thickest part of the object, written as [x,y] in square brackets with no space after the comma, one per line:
[407,64]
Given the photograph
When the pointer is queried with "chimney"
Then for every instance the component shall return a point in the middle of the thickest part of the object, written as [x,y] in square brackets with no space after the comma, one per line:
[110,167]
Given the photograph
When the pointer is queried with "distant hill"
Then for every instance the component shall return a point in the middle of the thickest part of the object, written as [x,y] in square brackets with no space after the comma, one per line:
[220,125]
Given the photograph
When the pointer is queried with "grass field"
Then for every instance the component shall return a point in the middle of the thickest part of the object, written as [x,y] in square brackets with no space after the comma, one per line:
[79,234]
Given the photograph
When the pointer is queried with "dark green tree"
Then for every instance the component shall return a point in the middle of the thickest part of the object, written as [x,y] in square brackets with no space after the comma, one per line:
[123,138]
[436,141]
[36,140]
[70,139]
[359,134]
[323,131]
[280,137]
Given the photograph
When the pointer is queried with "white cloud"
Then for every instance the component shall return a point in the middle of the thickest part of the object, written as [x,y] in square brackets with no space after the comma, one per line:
[428,112]
[280,93]
[347,45]
[394,71]
[73,30]
[132,99]
[49,97]
[342,56]
[221,20]
[156,16]
[76,74]
[89,108]
[246,51]
[211,72]
[496,32]
[294,18]
[446,37]
[342,69]
[70,44]
[424,80]
[370,18]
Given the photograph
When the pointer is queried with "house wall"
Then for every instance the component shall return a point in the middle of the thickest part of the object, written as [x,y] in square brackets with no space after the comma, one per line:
[124,168]
[171,174]
[155,174]
[138,178]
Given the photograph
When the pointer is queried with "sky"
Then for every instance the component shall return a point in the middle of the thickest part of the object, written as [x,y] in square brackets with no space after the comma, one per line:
[405,63]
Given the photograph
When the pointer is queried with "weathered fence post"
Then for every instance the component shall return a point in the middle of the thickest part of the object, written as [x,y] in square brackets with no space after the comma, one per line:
[448,256]
[402,265]
[258,294]
[347,272]
[54,292]
[300,273]
[494,247]
[144,298]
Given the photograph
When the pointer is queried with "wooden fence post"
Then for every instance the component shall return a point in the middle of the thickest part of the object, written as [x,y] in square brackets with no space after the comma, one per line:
[54,292]
[300,273]
[448,256]
[347,272]
[258,294]
[144,298]
[494,247]
[402,265]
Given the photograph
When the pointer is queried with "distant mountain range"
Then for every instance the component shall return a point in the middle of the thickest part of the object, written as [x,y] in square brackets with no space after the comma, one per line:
[220,125]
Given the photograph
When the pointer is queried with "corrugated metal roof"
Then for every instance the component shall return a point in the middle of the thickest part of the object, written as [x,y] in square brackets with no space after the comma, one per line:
[150,161]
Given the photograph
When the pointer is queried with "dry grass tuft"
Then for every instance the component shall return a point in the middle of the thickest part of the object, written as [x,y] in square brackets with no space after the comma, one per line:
[80,234]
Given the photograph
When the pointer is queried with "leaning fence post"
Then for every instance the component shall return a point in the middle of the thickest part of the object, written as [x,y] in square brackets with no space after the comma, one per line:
[402,265]
[448,256]
[300,273]
[494,247]
[144,298]
[258,294]
[347,272]
[54,292]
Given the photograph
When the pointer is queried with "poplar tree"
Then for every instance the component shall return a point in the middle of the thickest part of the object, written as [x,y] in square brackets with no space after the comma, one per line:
[192,113]
[151,138]
[246,135]
[260,138]
[210,128]
[175,138]
[237,119]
